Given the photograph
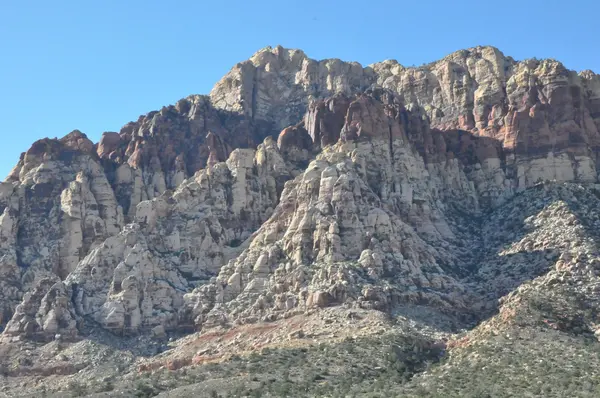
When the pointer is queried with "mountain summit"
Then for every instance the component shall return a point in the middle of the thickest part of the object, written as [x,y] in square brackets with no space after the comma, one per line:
[443,212]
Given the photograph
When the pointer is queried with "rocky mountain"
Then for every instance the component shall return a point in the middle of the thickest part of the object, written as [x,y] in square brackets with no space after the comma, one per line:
[308,204]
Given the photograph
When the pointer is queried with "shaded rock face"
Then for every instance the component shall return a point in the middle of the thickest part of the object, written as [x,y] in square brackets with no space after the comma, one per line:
[325,119]
[162,149]
[295,144]
[195,215]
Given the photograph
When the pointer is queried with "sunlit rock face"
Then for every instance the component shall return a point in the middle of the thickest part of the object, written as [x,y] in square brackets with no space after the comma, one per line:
[296,184]
[57,205]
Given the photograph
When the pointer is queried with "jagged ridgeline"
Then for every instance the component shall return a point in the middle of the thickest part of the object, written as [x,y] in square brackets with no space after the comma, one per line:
[295,185]
[316,228]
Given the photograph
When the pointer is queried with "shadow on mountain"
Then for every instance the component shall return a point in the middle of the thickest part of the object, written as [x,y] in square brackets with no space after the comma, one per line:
[528,242]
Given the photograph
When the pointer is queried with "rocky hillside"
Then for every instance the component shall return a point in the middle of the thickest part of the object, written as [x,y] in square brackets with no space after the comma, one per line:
[309,203]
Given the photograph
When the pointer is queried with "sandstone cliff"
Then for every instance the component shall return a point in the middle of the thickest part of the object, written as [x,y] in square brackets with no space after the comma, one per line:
[296,184]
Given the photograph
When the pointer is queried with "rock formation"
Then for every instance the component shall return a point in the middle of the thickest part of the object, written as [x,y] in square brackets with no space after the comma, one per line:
[295,185]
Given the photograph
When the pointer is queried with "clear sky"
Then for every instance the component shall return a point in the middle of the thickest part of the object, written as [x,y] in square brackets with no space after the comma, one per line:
[96,65]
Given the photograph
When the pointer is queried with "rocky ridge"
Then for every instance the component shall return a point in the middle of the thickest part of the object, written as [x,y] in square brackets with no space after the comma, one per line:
[298,185]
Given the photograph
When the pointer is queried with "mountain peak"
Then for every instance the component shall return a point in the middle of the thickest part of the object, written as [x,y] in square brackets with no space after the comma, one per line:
[310,202]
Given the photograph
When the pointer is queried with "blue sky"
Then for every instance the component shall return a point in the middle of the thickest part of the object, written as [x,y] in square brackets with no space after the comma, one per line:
[95,65]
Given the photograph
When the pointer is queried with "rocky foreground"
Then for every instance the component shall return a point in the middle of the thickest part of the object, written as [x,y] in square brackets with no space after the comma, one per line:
[316,228]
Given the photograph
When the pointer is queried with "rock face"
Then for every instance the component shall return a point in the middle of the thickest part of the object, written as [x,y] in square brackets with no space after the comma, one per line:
[45,311]
[137,278]
[544,115]
[56,206]
[295,185]
[162,149]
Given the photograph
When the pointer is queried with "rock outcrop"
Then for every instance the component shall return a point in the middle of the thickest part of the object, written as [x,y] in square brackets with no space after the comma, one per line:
[544,115]
[162,149]
[295,185]
[56,207]
[137,279]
